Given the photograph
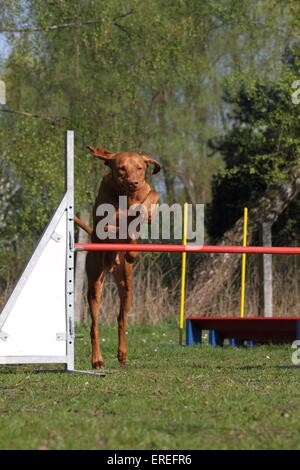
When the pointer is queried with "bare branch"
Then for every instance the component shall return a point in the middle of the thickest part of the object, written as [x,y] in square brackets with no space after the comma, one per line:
[123,29]
[72,24]
[51,28]
[53,119]
[123,15]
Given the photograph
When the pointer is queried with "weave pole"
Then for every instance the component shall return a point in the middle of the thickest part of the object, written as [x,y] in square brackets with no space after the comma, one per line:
[242,311]
[183,273]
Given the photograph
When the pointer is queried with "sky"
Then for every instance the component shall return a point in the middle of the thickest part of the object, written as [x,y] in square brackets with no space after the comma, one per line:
[4,51]
[4,48]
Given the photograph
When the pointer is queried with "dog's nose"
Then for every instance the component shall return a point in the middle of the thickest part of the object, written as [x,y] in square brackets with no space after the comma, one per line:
[133,184]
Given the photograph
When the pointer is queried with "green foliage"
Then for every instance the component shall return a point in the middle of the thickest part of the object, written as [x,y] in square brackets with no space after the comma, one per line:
[261,145]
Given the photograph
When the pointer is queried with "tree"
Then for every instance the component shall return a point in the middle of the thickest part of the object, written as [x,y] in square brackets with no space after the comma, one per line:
[259,149]
[124,75]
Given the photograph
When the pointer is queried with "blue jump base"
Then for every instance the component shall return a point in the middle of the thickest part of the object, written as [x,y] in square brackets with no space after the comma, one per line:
[238,331]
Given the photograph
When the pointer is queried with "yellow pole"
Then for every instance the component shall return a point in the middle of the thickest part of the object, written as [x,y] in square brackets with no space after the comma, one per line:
[244,263]
[183,273]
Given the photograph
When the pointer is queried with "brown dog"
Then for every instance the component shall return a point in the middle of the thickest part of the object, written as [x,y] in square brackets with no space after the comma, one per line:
[126,178]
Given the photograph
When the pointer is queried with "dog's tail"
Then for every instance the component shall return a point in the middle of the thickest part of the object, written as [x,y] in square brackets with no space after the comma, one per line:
[82,225]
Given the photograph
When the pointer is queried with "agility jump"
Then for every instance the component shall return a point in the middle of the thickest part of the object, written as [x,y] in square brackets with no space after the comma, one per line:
[38,331]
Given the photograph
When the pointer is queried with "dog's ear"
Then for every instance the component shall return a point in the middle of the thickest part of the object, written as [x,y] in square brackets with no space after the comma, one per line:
[149,160]
[103,154]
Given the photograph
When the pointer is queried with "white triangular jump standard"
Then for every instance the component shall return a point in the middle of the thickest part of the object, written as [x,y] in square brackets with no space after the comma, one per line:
[37,322]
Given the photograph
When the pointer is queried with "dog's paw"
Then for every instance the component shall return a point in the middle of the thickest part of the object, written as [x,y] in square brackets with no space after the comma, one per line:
[97,365]
[122,358]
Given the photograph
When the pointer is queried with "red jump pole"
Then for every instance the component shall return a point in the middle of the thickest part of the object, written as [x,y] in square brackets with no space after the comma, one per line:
[172,248]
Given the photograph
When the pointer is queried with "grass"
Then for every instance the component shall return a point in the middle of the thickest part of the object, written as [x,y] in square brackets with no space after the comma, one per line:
[166,398]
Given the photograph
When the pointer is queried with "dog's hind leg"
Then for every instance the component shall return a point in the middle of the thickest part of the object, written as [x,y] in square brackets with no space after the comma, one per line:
[96,274]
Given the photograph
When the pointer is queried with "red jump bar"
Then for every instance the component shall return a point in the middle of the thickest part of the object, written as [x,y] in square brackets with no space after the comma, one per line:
[274,250]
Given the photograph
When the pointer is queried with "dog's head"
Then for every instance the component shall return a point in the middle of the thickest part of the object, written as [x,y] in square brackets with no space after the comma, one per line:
[128,168]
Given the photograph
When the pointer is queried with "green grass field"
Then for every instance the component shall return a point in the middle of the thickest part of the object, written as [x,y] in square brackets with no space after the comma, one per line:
[166,398]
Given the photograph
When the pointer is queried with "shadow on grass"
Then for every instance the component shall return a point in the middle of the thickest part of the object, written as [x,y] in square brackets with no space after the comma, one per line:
[5,370]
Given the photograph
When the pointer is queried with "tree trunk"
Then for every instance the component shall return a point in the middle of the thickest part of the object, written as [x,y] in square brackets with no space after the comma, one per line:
[265,304]
[209,279]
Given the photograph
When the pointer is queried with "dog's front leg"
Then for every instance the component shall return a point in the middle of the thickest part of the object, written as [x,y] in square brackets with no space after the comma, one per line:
[123,278]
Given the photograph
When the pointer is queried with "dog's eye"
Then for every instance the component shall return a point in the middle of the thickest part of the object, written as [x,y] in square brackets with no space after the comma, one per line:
[140,168]
[122,168]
